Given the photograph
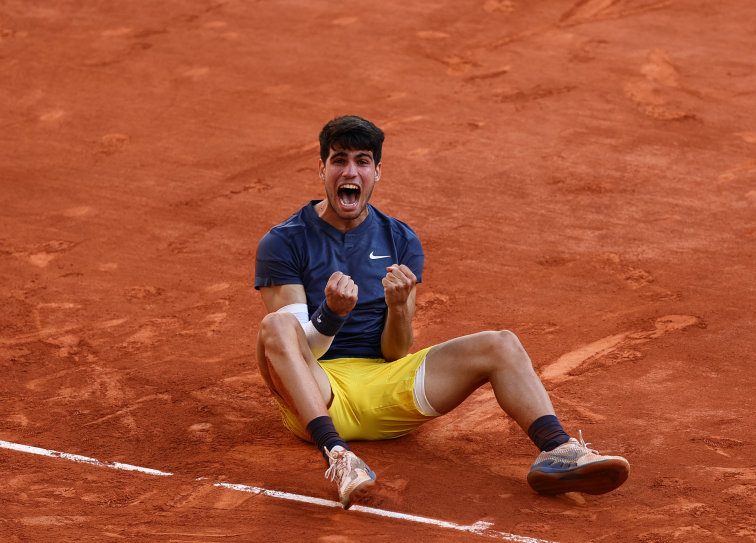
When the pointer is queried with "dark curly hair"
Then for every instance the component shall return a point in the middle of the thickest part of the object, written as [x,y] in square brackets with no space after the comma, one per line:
[353,133]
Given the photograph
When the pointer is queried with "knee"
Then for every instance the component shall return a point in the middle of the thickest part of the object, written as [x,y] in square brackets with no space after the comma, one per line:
[506,348]
[276,326]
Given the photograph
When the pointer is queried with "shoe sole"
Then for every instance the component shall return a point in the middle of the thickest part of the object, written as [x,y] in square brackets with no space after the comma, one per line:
[358,493]
[594,478]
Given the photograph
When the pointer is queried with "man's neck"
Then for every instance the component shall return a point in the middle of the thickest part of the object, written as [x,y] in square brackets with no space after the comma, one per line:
[326,212]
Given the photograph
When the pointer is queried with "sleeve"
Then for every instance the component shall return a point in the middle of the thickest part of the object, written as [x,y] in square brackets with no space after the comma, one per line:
[413,256]
[277,262]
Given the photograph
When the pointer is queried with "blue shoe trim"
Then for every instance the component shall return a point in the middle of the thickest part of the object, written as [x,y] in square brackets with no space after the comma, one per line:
[549,466]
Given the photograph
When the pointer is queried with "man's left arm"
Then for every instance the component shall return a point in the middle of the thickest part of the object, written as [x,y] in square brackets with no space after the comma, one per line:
[400,289]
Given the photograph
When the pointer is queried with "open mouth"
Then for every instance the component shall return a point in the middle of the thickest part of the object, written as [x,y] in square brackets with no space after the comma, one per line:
[349,195]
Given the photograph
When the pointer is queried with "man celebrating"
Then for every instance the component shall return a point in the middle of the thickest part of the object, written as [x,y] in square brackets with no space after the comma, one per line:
[338,279]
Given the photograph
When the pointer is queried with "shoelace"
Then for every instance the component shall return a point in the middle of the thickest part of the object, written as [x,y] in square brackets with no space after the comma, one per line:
[342,465]
[584,445]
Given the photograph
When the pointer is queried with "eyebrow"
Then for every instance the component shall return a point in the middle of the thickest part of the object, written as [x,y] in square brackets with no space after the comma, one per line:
[344,154]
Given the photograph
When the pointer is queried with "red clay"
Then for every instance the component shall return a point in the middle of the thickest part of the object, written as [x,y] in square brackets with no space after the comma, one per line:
[582,174]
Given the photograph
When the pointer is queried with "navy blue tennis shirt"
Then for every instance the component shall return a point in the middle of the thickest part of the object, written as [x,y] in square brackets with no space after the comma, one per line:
[306,250]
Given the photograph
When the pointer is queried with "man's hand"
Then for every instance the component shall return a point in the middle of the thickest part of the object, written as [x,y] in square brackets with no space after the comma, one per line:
[398,285]
[341,294]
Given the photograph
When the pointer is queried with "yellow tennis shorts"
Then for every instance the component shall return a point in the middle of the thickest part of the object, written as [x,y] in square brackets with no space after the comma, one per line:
[372,399]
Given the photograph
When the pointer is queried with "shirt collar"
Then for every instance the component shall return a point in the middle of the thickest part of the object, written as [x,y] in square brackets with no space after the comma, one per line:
[363,227]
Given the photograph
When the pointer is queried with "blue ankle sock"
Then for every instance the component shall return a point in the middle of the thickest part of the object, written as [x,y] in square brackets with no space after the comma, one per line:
[547,433]
[324,434]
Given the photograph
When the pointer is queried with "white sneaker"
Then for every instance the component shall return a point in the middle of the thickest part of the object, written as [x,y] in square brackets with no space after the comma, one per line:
[573,467]
[351,474]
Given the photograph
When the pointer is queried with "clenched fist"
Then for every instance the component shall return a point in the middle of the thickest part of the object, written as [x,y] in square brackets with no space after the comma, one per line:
[398,285]
[341,294]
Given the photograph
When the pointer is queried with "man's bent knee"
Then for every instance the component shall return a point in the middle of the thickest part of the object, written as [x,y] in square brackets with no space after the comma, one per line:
[275,330]
[507,347]
[277,325]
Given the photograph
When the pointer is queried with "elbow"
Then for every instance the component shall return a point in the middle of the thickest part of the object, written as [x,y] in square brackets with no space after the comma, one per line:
[395,352]
[390,357]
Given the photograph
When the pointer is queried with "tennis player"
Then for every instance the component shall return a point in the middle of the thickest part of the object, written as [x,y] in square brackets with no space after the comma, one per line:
[338,279]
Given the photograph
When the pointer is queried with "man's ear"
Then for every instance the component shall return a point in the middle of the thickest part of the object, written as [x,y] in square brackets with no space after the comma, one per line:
[321,169]
[378,171]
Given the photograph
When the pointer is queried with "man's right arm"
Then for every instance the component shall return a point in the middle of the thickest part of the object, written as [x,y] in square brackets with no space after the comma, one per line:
[275,298]
[341,297]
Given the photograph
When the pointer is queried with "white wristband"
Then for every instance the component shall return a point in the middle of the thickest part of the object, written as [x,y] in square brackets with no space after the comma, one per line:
[319,344]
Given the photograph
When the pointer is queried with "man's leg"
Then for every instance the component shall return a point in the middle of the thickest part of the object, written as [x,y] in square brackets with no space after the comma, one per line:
[453,370]
[289,368]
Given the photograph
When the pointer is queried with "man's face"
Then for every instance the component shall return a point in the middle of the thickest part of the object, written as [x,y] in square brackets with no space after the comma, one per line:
[349,177]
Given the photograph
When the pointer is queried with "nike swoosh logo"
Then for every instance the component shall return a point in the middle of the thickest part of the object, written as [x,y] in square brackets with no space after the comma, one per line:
[372,257]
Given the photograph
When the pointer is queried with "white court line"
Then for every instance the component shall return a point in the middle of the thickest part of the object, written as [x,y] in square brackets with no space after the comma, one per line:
[77,458]
[479,528]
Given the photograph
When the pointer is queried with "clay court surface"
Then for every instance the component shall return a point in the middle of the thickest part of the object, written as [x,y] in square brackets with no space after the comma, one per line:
[583,174]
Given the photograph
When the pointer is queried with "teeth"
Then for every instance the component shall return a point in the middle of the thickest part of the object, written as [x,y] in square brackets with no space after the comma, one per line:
[349,186]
